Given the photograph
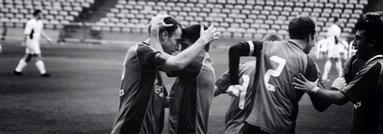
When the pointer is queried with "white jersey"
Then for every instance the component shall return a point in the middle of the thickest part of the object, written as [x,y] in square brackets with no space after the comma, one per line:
[334,48]
[333,30]
[33,30]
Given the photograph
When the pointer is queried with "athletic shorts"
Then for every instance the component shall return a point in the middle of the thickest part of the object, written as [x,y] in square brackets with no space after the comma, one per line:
[32,47]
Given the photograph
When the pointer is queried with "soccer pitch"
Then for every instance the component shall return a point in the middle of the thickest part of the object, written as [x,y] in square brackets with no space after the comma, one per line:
[82,94]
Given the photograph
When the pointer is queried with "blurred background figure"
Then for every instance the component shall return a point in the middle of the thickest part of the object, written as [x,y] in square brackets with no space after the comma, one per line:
[33,31]
[334,48]
[321,45]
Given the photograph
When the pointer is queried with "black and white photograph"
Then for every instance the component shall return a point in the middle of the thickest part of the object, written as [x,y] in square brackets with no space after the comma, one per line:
[191,66]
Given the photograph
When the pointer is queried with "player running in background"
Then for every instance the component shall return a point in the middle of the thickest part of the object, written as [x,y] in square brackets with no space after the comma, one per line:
[33,31]
[274,102]
[192,92]
[142,92]
[365,88]
[334,48]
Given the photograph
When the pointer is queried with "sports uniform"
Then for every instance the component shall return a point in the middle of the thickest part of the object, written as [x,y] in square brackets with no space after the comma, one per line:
[236,114]
[365,92]
[335,47]
[275,102]
[142,92]
[33,29]
[33,32]
[192,94]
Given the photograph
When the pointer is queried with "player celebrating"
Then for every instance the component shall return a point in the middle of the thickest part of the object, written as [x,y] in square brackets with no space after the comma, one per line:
[235,115]
[365,89]
[33,32]
[274,102]
[192,91]
[142,94]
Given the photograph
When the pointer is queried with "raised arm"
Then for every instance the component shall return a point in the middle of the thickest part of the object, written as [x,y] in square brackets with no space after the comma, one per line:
[182,59]
[249,48]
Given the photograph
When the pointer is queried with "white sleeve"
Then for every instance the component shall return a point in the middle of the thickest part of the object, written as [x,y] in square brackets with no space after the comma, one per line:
[28,27]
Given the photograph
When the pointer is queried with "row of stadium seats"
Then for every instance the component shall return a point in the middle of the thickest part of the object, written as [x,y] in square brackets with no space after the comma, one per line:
[237,19]
[55,11]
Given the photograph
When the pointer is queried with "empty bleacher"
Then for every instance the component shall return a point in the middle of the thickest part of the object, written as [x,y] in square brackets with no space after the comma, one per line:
[237,18]
[56,12]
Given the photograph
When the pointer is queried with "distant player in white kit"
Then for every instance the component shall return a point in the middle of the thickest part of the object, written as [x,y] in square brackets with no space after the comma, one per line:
[33,31]
[333,50]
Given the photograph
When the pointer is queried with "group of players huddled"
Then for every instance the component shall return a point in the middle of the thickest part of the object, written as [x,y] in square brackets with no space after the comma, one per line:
[265,91]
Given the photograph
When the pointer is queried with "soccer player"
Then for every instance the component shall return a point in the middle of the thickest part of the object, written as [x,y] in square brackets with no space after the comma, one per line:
[365,89]
[274,102]
[192,92]
[33,31]
[334,47]
[235,115]
[142,92]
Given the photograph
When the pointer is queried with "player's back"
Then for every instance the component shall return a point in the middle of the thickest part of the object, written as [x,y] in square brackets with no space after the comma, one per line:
[275,106]
[237,111]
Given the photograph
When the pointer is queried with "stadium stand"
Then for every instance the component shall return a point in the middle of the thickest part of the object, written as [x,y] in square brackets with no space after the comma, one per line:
[56,12]
[234,17]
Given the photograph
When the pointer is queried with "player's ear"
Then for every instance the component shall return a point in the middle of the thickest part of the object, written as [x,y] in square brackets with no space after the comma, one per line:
[164,35]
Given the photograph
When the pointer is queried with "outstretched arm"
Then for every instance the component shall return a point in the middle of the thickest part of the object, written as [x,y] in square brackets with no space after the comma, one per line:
[46,37]
[333,94]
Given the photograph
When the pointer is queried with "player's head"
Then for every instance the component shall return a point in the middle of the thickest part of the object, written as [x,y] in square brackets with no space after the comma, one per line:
[336,20]
[170,36]
[190,35]
[368,40]
[303,28]
[272,37]
[37,14]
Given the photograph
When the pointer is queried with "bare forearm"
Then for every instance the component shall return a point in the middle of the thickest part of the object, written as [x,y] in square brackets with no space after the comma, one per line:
[182,59]
[335,96]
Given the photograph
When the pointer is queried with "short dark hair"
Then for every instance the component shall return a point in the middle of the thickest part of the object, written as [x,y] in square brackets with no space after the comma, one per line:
[170,29]
[372,24]
[192,33]
[336,19]
[36,12]
[272,37]
[301,27]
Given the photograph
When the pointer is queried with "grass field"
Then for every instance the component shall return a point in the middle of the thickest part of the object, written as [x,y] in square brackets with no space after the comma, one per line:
[81,97]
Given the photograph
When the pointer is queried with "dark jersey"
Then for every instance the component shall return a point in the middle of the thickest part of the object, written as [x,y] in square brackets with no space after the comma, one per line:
[142,93]
[192,94]
[366,93]
[351,67]
[236,114]
[275,101]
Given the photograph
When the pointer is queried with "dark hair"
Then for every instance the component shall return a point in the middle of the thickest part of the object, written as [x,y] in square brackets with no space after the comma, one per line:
[36,12]
[372,23]
[170,29]
[301,27]
[336,19]
[192,33]
[272,37]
